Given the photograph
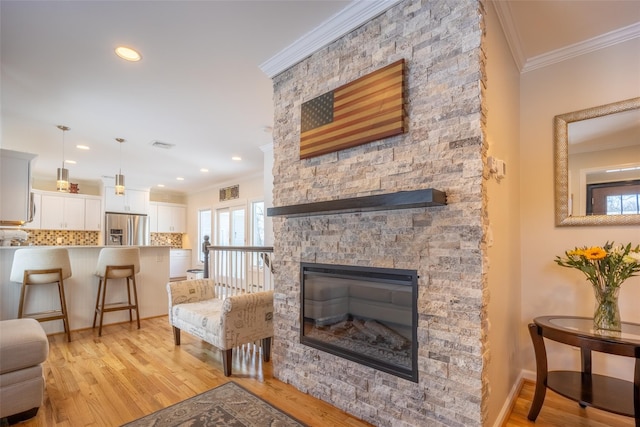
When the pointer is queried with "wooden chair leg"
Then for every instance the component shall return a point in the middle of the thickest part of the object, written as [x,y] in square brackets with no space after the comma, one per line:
[63,307]
[104,297]
[266,349]
[176,336]
[227,359]
[95,312]
[64,316]
[130,305]
[129,299]
[135,300]
[23,291]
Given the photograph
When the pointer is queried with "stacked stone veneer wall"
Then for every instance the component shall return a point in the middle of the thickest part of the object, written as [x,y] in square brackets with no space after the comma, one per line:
[443,148]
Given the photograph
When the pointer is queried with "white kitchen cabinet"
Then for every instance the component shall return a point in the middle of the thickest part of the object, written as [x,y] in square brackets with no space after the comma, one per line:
[180,219]
[137,201]
[179,263]
[133,201]
[153,217]
[93,215]
[15,187]
[171,218]
[60,212]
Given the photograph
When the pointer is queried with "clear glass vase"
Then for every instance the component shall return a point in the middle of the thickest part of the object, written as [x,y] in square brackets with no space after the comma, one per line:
[606,316]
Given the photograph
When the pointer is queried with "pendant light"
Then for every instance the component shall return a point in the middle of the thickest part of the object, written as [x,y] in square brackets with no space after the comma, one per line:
[119,176]
[62,175]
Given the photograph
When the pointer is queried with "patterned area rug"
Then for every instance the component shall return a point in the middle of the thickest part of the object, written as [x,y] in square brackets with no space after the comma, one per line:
[225,405]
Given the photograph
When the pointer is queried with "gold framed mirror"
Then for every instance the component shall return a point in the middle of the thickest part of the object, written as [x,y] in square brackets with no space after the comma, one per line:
[607,133]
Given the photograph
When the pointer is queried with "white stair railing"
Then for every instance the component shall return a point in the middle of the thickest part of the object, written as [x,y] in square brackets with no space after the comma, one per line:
[241,269]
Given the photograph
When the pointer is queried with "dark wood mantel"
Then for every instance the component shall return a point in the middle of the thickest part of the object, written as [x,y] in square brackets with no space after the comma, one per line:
[390,201]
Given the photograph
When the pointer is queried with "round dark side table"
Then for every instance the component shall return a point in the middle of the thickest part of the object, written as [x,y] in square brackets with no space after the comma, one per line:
[588,389]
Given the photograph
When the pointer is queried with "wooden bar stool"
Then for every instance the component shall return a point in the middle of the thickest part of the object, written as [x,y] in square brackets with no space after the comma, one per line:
[42,266]
[117,263]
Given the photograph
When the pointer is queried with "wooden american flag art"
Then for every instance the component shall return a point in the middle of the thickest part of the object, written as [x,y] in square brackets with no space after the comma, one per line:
[365,110]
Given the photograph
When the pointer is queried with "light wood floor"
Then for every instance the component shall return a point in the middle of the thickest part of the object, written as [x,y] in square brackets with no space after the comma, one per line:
[128,373]
[558,411]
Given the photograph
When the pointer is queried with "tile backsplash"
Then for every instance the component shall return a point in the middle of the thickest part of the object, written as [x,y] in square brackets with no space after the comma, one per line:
[62,238]
[90,238]
[166,239]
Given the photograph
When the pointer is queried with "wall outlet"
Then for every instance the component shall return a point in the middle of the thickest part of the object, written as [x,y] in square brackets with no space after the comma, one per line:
[501,171]
[491,163]
[497,167]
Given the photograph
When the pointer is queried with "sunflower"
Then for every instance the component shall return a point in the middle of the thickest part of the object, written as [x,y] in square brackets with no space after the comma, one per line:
[595,252]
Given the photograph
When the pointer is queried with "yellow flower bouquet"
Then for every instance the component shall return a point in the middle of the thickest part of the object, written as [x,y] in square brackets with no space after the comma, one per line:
[606,267]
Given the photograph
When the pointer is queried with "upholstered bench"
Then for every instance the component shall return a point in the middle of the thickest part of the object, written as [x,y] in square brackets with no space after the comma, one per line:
[23,349]
[201,309]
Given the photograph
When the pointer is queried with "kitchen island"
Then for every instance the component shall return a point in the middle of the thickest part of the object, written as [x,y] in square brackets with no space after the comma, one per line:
[81,288]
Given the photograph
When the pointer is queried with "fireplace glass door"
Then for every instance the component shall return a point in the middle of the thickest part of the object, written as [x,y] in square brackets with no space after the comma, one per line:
[364,314]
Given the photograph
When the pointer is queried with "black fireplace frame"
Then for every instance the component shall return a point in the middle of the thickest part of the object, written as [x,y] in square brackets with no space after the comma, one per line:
[386,275]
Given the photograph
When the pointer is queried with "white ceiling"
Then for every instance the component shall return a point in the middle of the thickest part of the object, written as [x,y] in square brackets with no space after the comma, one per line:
[199,85]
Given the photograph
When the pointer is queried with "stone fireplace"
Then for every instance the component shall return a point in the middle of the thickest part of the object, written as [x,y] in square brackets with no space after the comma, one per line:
[443,147]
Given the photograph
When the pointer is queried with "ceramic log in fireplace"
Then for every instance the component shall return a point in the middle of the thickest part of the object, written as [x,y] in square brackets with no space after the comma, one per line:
[364,314]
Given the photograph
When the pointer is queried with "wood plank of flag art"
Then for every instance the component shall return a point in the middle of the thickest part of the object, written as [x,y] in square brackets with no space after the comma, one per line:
[365,110]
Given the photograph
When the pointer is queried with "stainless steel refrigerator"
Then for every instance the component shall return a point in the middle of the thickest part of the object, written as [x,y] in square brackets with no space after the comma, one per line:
[126,230]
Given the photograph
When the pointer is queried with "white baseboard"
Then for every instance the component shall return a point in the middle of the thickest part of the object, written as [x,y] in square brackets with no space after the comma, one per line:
[513,395]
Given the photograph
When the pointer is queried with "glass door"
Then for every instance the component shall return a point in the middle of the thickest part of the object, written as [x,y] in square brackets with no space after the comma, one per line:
[231,226]
[230,231]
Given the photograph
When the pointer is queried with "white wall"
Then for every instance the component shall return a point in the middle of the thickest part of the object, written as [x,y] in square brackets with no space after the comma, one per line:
[93,188]
[502,103]
[600,77]
[268,192]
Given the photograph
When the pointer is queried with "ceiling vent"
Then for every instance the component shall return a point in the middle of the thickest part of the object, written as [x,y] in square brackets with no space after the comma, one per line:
[164,145]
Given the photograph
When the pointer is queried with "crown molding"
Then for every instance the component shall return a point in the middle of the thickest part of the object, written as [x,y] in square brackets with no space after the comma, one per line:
[605,40]
[507,22]
[266,148]
[343,22]
[359,12]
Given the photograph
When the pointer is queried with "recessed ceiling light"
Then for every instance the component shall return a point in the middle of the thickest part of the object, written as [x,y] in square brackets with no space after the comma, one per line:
[71,162]
[180,178]
[236,158]
[204,170]
[128,54]
[160,185]
[82,147]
